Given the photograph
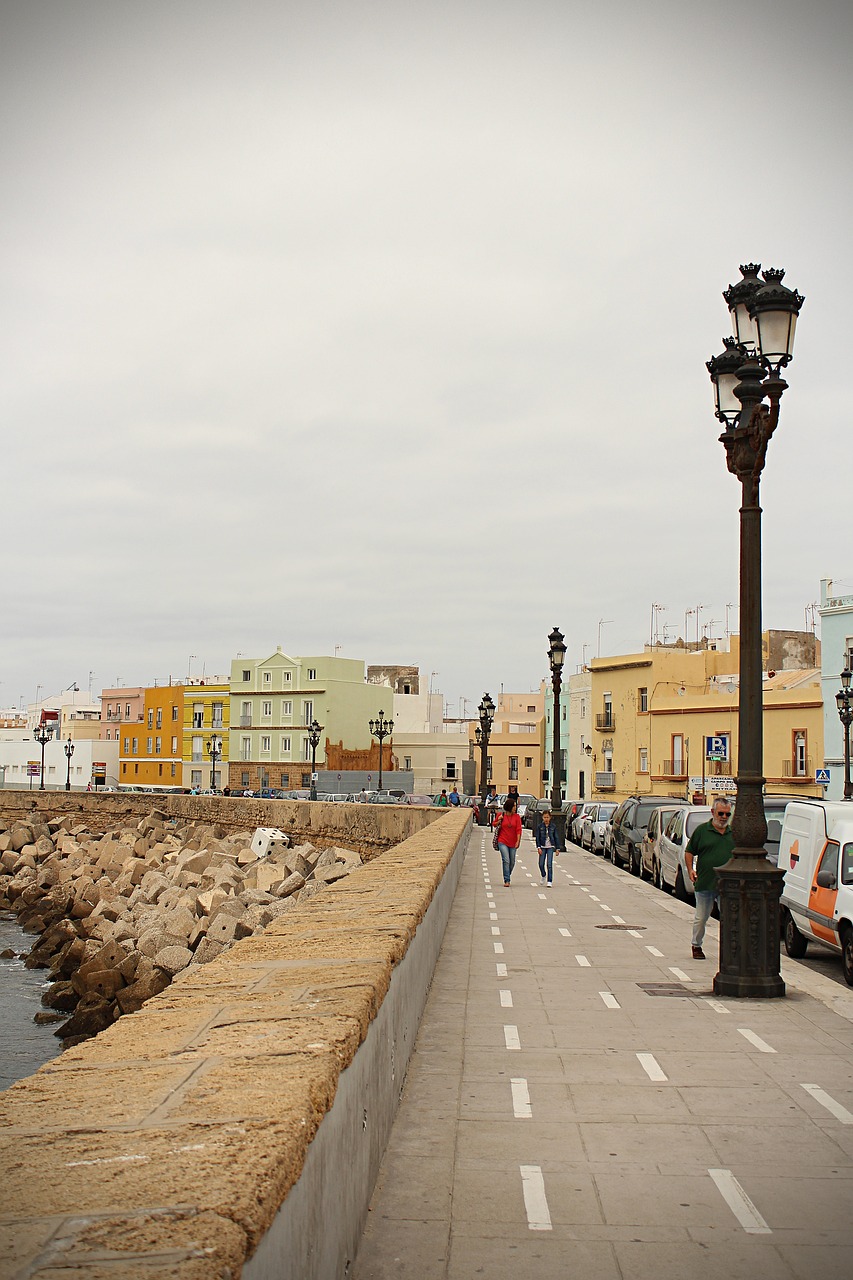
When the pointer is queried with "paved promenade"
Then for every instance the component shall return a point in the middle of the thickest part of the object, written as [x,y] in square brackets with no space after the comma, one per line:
[560,1119]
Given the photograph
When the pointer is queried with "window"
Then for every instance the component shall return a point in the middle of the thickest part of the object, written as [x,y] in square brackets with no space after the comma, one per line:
[265,744]
[197,750]
[158,746]
[174,746]
[306,749]
[244,778]
[264,775]
[217,715]
[800,753]
[196,777]
[159,717]
[827,872]
[108,735]
[307,712]
[285,746]
[286,708]
[583,712]
[245,748]
[126,745]
[306,779]
[677,754]
[150,745]
[533,709]
[136,768]
[286,677]
[150,718]
[247,675]
[513,768]
[407,762]
[267,677]
[266,710]
[159,771]
[528,762]
[450,770]
[285,780]
[123,768]
[198,715]
[173,770]
[407,688]
[109,713]
[174,714]
[644,760]
[643,699]
[312,673]
[127,709]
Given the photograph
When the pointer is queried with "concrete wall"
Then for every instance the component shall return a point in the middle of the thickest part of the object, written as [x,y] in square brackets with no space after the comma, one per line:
[242,1113]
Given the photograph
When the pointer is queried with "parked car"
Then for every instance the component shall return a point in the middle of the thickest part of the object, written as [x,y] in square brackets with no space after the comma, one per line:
[673,843]
[578,819]
[627,827]
[587,818]
[418,799]
[534,812]
[650,862]
[775,808]
[816,854]
[598,825]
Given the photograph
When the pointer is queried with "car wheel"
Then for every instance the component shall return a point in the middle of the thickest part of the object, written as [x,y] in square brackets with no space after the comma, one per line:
[847,955]
[795,944]
[680,889]
[657,876]
[633,861]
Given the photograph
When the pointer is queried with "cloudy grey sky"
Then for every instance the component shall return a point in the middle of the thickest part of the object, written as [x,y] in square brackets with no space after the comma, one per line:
[383,325]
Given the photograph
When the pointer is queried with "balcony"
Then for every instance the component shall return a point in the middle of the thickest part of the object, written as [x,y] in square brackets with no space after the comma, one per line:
[673,769]
[606,722]
[718,769]
[798,770]
[605,781]
[245,722]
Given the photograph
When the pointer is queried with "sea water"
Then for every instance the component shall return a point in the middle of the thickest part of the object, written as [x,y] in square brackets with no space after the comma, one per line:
[24,1046]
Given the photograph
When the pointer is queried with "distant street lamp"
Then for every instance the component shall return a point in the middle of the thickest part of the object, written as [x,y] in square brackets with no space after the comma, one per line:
[214,750]
[744,375]
[381,728]
[556,656]
[43,735]
[486,711]
[843,700]
[69,752]
[314,732]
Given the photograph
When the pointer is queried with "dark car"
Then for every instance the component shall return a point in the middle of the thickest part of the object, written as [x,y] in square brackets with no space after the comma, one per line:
[627,828]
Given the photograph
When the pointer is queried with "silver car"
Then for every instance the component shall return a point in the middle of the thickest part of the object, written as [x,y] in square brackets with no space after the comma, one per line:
[650,859]
[673,843]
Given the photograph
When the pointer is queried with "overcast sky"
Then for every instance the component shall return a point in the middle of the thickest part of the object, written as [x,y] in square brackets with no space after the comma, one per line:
[383,325]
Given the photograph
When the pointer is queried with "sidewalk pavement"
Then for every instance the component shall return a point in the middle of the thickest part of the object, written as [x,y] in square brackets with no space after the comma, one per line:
[560,1119]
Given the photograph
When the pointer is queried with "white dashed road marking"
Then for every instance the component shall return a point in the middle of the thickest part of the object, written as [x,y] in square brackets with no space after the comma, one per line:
[552,911]
[739,1202]
[501,970]
[499,948]
[511,1037]
[496,931]
[583,962]
[506,999]
[533,1186]
[610,1000]
[618,920]
[654,951]
[635,933]
[565,933]
[760,1044]
[521,1107]
[717,1006]
[835,1108]
[679,974]
[651,1066]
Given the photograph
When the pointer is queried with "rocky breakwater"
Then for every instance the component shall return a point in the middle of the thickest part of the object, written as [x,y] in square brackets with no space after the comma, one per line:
[120,914]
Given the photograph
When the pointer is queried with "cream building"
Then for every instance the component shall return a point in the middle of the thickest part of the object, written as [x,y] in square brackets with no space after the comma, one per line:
[665,722]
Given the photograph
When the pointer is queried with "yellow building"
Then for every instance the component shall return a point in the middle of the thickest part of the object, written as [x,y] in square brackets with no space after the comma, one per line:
[665,722]
[516,753]
[206,720]
[151,747]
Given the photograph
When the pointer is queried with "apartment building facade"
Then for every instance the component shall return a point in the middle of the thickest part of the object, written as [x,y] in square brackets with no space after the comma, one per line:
[151,745]
[206,724]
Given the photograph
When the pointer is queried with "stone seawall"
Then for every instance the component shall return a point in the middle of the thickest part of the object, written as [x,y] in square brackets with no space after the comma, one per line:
[174,1141]
[362,827]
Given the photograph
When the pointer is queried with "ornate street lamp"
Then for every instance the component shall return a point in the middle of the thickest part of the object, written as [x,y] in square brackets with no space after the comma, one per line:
[844,702]
[486,711]
[556,657]
[314,731]
[214,750]
[381,728]
[69,752]
[745,374]
[43,735]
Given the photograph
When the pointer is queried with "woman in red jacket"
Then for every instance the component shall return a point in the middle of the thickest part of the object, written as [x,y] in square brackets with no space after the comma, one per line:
[508,837]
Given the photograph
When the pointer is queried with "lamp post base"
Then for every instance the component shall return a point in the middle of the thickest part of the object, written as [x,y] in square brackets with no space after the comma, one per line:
[750,888]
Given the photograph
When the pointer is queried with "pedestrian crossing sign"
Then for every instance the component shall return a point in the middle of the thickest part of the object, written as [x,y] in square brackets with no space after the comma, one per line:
[822,776]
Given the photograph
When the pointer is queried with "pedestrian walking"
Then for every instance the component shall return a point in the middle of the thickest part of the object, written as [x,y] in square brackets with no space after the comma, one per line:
[442,799]
[547,846]
[454,796]
[508,838]
[710,846]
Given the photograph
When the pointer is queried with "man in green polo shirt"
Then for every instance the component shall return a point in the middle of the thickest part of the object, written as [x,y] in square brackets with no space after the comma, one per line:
[710,846]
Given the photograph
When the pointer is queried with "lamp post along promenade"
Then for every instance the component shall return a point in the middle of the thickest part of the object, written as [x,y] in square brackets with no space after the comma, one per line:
[214,750]
[381,728]
[844,703]
[486,712]
[42,735]
[746,374]
[314,732]
[556,657]
[69,752]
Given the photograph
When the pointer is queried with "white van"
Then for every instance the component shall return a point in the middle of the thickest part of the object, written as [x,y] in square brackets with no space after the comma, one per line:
[816,854]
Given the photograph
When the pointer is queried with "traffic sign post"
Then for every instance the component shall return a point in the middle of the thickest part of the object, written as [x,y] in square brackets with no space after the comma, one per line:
[822,777]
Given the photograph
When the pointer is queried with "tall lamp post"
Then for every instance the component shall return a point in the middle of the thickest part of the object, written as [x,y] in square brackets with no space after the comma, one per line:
[214,750]
[381,728]
[747,372]
[486,711]
[843,700]
[314,731]
[69,752]
[42,735]
[557,656]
